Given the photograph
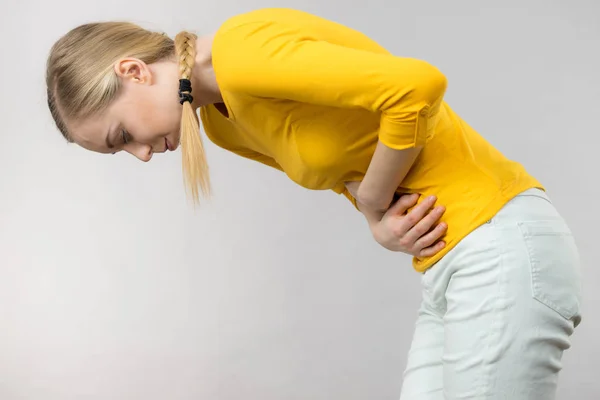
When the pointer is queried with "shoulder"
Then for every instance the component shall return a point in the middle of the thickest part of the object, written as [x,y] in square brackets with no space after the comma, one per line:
[274,25]
[268,15]
[253,39]
[247,43]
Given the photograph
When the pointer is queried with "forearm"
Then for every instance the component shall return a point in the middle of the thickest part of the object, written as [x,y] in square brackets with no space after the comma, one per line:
[372,215]
[386,171]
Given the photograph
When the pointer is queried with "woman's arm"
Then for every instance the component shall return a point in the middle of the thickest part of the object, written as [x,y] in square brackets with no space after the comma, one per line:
[373,216]
[274,59]
[386,171]
[417,232]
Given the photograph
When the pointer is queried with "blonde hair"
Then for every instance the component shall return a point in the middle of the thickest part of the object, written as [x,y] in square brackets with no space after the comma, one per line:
[81,82]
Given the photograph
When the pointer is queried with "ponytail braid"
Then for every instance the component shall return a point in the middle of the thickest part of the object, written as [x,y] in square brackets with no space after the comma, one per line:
[195,167]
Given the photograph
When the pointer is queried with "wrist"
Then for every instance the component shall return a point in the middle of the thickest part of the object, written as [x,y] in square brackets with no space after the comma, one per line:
[372,215]
[372,200]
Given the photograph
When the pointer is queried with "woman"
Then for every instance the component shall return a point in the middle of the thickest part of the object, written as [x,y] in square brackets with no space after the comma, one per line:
[334,110]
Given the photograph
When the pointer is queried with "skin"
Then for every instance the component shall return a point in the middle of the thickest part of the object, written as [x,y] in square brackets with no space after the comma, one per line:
[145,119]
[417,232]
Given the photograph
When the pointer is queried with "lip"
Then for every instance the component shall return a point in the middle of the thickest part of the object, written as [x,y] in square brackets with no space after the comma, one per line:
[168,145]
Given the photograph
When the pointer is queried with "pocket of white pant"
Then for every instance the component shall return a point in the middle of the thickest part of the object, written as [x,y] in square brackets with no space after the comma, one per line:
[555,265]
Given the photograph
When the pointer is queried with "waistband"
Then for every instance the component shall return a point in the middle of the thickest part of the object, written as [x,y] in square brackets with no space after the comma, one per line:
[535,192]
[529,205]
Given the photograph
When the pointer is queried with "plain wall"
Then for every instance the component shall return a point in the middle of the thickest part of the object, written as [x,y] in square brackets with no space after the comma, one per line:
[113,288]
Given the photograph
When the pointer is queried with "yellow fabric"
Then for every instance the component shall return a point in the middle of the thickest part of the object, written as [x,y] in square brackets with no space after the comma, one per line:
[311,98]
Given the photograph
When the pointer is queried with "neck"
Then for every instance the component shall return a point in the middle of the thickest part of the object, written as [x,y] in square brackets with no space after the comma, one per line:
[204,84]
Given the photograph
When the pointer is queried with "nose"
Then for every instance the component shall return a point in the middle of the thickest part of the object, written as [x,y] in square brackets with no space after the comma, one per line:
[141,151]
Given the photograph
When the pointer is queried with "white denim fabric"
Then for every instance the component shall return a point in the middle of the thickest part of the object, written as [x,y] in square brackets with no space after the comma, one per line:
[498,310]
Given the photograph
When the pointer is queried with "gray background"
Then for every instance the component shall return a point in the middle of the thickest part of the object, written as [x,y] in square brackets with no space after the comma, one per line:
[112,288]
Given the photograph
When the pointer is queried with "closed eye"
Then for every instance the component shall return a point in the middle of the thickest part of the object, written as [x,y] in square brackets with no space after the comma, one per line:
[125,138]
[125,135]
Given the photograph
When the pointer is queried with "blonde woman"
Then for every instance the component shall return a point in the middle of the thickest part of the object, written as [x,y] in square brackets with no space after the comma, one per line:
[334,110]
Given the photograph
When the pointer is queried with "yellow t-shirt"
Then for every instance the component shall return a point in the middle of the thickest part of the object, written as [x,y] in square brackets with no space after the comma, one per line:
[311,98]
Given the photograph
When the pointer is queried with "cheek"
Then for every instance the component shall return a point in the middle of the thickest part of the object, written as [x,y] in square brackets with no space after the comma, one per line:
[167,115]
[152,119]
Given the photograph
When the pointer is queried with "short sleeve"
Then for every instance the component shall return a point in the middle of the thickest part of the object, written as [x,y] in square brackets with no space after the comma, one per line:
[278,60]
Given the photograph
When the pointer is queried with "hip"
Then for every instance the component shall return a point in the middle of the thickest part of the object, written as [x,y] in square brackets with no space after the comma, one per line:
[527,243]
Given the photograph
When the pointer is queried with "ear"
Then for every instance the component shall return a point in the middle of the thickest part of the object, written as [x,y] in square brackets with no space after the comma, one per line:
[133,70]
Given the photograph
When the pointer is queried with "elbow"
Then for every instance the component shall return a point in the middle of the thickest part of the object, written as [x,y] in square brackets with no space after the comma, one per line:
[434,85]
[440,85]
[427,84]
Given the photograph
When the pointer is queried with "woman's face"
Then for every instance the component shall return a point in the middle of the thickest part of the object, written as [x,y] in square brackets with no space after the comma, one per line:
[145,117]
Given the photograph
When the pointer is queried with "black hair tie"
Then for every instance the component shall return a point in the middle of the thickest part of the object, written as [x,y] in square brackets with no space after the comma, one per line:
[185,88]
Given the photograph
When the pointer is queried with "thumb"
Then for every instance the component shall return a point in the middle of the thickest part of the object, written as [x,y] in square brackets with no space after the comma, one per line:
[404,203]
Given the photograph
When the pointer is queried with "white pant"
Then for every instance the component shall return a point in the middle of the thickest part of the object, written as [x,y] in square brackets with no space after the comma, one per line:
[498,310]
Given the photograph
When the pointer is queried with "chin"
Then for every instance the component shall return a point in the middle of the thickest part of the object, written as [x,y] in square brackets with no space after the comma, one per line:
[173,142]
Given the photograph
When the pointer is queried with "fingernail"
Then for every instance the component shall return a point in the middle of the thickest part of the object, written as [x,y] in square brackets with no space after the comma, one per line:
[431,198]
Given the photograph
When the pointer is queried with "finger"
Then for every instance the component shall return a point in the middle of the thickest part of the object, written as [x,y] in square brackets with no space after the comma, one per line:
[418,213]
[432,236]
[432,250]
[424,225]
[404,203]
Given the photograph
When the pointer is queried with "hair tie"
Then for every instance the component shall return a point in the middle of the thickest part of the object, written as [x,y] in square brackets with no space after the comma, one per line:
[185,88]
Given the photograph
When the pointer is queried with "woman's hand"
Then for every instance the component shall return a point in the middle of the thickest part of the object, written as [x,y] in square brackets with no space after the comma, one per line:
[417,232]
